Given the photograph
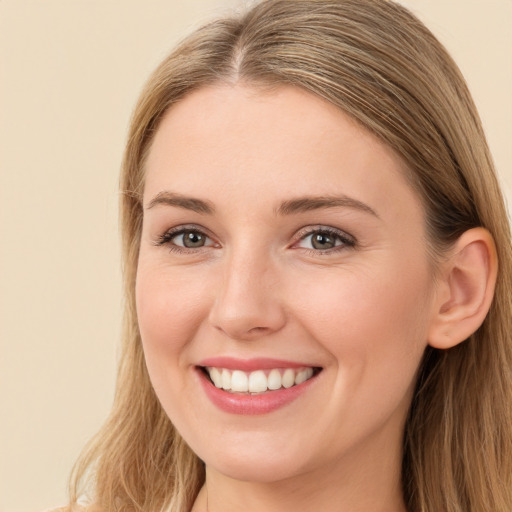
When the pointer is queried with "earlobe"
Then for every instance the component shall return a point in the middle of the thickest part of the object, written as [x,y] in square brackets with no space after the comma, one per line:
[465,290]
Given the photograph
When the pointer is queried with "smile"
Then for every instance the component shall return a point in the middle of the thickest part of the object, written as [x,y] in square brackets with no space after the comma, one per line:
[259,381]
[257,386]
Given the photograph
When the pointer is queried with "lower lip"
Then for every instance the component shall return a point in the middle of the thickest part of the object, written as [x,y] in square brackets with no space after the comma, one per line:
[252,404]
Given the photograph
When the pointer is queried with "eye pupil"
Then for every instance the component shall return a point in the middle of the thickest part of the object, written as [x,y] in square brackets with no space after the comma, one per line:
[322,241]
[193,239]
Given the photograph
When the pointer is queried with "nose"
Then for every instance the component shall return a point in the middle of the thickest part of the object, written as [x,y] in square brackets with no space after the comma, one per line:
[247,305]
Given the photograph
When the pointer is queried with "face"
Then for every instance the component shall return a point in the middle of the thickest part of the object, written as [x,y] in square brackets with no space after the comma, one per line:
[284,256]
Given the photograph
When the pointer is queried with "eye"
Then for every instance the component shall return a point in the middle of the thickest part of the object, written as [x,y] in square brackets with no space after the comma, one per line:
[185,238]
[325,239]
[190,239]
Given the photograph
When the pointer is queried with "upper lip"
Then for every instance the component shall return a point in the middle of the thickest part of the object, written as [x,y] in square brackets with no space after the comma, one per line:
[249,365]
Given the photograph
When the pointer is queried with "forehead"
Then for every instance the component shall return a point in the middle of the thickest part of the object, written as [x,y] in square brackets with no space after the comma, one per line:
[240,142]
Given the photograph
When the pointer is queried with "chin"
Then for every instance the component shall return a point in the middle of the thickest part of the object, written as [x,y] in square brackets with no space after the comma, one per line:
[254,470]
[263,462]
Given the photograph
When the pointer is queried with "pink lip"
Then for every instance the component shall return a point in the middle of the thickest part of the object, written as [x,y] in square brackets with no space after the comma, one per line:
[245,404]
[250,365]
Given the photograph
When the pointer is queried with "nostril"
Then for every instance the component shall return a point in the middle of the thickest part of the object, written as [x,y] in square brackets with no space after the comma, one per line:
[258,330]
[240,332]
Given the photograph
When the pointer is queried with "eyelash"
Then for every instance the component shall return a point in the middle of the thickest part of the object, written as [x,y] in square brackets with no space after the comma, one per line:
[347,241]
[167,237]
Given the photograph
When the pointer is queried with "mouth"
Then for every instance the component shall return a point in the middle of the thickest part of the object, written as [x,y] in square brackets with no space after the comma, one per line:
[259,385]
[257,382]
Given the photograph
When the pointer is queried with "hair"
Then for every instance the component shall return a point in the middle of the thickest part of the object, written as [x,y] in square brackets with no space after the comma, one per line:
[379,64]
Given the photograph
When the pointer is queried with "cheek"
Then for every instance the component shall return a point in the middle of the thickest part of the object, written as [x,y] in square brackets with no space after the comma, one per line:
[170,309]
[350,304]
[374,325]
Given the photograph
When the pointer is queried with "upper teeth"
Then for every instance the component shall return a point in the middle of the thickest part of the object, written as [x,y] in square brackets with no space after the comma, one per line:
[259,380]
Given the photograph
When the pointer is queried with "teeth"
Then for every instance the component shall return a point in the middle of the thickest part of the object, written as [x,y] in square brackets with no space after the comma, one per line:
[216,377]
[226,379]
[239,381]
[274,379]
[288,378]
[304,375]
[258,381]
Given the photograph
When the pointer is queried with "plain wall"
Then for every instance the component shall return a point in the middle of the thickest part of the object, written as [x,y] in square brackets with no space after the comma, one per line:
[70,72]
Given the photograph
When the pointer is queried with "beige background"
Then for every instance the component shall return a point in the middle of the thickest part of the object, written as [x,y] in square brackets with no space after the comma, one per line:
[70,71]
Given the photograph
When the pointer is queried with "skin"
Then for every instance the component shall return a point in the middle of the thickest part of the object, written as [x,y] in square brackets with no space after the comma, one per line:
[258,288]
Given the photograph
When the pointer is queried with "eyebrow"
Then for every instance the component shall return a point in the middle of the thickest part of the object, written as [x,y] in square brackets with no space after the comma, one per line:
[188,203]
[308,203]
[289,207]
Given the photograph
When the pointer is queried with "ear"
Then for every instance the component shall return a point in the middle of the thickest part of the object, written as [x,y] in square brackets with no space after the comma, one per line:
[465,289]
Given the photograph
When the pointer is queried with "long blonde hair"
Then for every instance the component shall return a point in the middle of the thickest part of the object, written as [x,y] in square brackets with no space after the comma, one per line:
[381,65]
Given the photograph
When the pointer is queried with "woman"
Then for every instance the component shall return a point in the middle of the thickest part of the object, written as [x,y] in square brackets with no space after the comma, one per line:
[317,265]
